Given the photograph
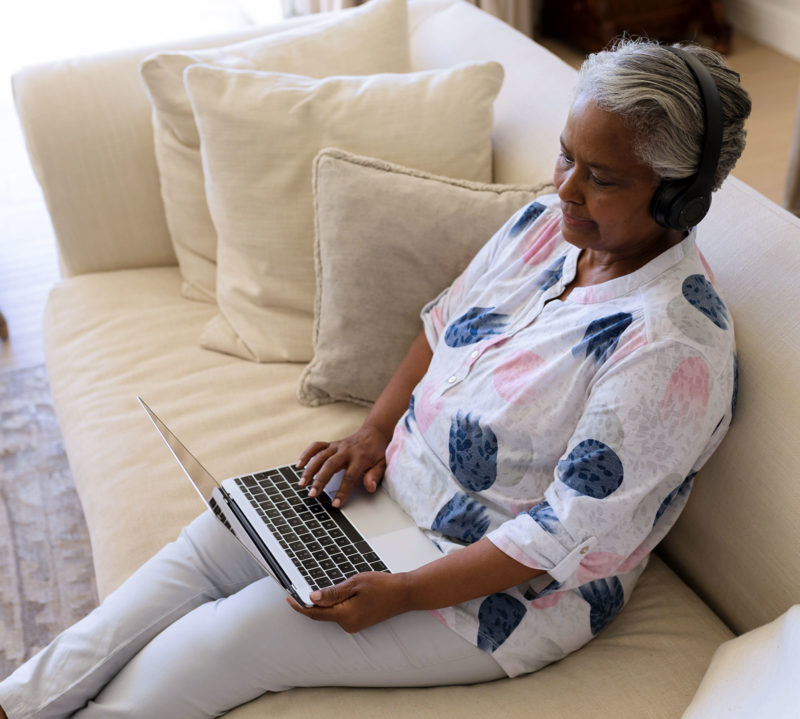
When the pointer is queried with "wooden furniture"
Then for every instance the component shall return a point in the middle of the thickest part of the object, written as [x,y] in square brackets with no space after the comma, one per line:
[592,24]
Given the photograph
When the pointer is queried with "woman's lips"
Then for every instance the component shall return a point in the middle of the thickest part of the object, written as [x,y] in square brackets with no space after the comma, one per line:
[577,222]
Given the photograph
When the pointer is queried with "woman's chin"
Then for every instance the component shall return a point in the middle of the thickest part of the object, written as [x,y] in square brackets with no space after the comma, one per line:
[577,232]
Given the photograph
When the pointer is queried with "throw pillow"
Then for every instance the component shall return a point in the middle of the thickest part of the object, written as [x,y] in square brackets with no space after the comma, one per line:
[754,675]
[388,240]
[259,135]
[368,39]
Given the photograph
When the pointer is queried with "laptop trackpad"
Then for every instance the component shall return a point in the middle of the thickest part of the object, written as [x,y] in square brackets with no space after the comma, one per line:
[405,549]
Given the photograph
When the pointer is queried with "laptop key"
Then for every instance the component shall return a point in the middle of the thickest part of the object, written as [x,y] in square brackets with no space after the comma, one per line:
[335,575]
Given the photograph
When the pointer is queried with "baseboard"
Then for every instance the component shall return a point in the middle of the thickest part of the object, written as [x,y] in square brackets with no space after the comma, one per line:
[775,23]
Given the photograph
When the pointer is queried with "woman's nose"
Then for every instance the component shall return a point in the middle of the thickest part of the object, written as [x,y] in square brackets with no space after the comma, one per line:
[569,189]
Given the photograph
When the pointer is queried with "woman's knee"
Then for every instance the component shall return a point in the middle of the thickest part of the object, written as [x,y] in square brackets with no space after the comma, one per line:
[212,659]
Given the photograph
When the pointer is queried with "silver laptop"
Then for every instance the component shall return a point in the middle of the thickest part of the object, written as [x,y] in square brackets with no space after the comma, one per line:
[304,542]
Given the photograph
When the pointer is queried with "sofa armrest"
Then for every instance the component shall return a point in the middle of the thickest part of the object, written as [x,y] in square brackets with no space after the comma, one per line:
[88,129]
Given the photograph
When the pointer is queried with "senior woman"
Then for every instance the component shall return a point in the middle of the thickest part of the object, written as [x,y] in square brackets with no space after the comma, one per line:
[544,429]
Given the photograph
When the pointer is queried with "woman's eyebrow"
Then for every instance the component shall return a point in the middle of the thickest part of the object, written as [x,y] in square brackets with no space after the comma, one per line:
[593,165]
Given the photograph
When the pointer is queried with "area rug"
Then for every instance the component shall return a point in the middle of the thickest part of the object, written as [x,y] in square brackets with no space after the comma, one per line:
[46,574]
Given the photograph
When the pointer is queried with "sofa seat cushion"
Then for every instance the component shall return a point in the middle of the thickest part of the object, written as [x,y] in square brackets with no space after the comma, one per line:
[111,336]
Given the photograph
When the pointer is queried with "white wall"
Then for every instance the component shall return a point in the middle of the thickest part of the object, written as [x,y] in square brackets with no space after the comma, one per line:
[775,23]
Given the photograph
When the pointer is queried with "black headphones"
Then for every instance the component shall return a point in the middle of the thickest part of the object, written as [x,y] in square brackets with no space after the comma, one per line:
[681,204]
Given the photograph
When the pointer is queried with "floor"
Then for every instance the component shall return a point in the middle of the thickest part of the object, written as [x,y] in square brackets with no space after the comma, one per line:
[40,30]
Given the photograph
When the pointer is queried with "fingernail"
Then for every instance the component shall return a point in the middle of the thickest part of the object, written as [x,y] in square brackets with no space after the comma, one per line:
[337,502]
[315,596]
[312,492]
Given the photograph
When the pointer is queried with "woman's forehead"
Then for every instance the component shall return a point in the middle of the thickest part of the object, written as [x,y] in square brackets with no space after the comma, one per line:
[600,136]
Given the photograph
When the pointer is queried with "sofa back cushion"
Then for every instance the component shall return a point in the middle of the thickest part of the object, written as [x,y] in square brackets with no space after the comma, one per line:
[736,541]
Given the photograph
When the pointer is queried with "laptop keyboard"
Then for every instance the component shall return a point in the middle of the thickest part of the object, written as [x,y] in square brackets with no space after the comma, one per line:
[324,546]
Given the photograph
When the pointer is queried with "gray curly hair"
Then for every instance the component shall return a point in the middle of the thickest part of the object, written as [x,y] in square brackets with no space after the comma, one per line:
[658,97]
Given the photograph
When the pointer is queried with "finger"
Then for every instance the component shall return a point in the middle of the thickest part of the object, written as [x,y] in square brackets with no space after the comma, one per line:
[331,596]
[314,464]
[373,476]
[334,463]
[350,480]
[316,613]
[310,451]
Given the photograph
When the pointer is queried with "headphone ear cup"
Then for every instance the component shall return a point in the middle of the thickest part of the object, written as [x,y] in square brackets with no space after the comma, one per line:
[676,207]
[665,207]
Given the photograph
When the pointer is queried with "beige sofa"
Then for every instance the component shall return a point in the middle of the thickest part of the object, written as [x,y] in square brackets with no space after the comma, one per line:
[116,326]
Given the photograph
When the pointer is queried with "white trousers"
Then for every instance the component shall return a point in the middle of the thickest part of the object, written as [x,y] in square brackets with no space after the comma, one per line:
[200,629]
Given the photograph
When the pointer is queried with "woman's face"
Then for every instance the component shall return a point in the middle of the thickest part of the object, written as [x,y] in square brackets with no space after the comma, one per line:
[605,189]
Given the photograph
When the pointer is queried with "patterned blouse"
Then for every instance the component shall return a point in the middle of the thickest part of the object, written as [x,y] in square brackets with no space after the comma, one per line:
[567,432]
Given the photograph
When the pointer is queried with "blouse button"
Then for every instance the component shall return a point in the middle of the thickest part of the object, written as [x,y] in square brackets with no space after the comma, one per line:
[584,550]
[474,354]
[452,380]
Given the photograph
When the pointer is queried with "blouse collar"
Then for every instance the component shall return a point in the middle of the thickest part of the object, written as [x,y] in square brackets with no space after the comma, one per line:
[621,286]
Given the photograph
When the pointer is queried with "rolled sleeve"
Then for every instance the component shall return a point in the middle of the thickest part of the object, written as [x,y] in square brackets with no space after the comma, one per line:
[527,542]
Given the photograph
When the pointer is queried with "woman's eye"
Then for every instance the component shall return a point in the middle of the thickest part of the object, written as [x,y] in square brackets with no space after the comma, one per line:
[566,160]
[601,183]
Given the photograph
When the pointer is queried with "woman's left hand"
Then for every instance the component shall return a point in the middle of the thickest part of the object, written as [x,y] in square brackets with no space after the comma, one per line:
[358,602]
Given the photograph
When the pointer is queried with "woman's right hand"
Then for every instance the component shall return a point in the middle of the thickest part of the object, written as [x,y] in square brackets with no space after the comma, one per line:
[362,456]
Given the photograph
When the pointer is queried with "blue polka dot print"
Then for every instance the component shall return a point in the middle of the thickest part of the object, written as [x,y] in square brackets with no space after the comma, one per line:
[601,337]
[473,453]
[552,275]
[474,325]
[410,417]
[530,595]
[592,469]
[462,519]
[499,615]
[682,489]
[544,516]
[528,217]
[606,598]
[701,295]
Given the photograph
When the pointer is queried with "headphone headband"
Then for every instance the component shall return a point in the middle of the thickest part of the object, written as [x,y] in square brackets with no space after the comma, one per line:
[680,204]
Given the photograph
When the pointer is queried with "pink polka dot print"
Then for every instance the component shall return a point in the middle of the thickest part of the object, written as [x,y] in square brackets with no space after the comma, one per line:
[687,390]
[513,378]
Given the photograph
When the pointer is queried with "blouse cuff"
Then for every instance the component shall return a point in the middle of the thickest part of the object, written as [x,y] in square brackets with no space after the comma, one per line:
[528,543]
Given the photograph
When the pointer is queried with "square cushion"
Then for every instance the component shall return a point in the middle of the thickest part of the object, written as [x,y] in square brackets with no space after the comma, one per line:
[371,38]
[754,675]
[260,132]
[388,240]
